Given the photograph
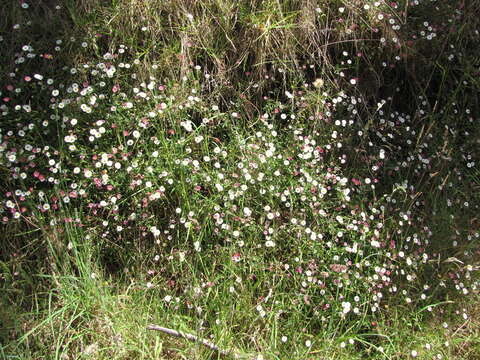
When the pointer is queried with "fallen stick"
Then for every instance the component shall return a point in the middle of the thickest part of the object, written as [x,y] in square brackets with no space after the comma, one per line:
[193,338]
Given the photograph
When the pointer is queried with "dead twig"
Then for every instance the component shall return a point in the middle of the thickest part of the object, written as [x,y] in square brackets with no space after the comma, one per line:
[194,338]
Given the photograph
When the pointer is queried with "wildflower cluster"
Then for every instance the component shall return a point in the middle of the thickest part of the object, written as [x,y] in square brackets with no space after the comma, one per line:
[324,194]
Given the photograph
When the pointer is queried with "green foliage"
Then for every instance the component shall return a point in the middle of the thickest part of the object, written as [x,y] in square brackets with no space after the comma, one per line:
[289,179]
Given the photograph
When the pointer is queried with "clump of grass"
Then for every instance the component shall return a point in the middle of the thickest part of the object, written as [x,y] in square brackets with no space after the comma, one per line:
[240,43]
